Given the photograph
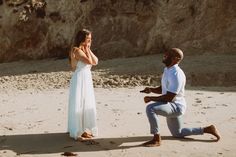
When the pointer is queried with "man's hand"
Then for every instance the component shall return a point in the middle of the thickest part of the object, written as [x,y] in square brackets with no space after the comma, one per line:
[147,99]
[146,90]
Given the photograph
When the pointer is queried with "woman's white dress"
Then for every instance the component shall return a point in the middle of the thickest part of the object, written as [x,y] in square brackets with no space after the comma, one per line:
[82,105]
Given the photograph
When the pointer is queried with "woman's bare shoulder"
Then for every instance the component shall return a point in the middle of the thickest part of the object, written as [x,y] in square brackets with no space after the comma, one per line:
[77,50]
[79,53]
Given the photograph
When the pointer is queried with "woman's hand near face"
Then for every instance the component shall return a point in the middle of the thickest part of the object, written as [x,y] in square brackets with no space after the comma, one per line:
[87,43]
[84,56]
[87,48]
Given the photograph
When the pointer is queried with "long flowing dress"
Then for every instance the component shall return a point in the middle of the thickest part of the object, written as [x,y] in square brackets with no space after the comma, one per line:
[82,105]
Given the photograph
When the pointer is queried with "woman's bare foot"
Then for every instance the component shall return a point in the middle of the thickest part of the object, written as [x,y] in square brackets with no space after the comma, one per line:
[212,130]
[155,142]
[85,137]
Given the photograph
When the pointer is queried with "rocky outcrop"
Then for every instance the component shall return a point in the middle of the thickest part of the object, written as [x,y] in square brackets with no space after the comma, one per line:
[120,28]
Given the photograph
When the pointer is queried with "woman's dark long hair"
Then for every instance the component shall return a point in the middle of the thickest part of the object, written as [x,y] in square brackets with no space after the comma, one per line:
[79,38]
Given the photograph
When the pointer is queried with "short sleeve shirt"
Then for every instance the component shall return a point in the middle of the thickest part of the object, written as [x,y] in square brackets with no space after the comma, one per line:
[173,80]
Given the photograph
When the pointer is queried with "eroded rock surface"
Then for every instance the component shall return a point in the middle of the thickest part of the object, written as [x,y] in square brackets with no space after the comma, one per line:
[36,29]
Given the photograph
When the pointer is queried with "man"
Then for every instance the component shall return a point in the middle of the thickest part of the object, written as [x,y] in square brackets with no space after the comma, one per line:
[171,103]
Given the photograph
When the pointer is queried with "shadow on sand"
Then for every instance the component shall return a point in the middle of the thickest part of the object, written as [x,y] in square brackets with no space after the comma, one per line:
[60,142]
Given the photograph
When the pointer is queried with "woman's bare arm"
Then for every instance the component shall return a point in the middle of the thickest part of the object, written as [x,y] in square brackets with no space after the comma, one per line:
[83,56]
[88,50]
[94,58]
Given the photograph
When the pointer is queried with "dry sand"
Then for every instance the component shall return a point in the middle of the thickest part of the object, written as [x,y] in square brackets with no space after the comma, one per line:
[34,99]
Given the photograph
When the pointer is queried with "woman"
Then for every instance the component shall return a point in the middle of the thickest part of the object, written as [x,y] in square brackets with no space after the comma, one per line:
[82,106]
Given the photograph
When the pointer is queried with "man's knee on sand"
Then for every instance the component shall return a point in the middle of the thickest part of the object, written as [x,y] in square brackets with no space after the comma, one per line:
[177,133]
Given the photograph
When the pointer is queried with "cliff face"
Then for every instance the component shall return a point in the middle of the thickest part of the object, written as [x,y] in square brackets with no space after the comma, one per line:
[36,29]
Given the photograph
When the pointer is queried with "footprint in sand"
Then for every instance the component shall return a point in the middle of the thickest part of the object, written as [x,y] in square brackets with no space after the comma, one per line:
[197,100]
[225,105]
[196,105]
[208,107]
[232,119]
[115,110]
[199,93]
[8,128]
[113,125]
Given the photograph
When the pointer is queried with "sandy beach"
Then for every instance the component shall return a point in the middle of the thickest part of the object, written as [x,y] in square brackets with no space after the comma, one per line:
[34,99]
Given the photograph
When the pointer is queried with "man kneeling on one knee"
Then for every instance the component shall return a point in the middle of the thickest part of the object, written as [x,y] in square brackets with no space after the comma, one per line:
[171,103]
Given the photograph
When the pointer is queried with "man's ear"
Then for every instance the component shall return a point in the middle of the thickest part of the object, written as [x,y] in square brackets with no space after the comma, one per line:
[174,59]
[177,59]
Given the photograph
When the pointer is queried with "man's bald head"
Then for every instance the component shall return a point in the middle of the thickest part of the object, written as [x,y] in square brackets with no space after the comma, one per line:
[176,52]
[172,56]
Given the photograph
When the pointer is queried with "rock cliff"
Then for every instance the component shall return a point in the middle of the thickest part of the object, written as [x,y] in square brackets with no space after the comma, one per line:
[36,29]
